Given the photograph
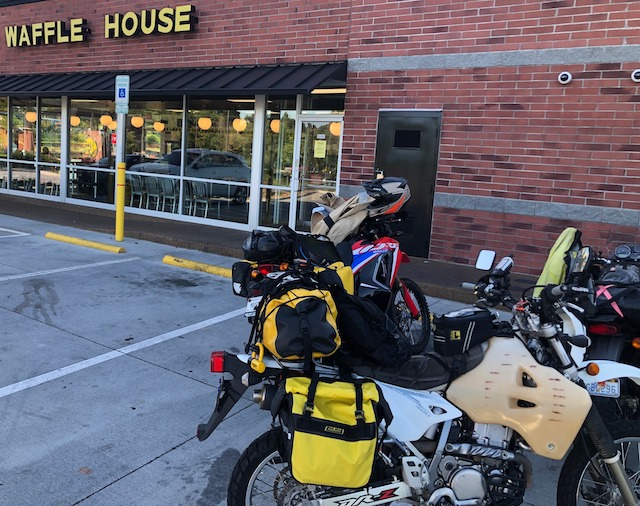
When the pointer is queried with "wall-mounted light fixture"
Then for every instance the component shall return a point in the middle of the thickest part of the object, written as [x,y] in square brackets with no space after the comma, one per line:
[565,77]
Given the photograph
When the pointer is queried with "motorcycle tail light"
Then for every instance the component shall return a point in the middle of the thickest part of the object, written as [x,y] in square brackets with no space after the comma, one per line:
[265,269]
[217,361]
[604,329]
[635,342]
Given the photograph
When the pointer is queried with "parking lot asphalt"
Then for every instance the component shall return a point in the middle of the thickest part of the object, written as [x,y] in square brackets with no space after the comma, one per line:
[436,278]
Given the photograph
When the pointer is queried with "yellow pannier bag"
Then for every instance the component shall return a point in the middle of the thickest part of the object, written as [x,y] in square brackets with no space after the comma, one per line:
[300,323]
[332,429]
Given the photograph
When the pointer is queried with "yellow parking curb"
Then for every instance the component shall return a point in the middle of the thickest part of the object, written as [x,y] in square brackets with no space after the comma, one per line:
[83,242]
[197,266]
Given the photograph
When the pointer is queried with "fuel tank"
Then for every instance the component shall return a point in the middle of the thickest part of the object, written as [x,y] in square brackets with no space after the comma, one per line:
[510,388]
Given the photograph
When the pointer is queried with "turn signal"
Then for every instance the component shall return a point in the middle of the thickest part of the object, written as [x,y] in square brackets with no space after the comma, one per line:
[255,273]
[217,361]
[593,369]
[635,342]
[284,266]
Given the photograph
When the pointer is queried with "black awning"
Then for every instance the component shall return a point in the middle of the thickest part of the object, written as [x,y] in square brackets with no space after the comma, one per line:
[229,81]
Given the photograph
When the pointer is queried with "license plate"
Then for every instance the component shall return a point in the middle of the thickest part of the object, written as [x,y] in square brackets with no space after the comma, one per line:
[609,388]
[252,304]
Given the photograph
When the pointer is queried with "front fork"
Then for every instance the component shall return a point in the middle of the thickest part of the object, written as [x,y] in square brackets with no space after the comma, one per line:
[406,295]
[601,438]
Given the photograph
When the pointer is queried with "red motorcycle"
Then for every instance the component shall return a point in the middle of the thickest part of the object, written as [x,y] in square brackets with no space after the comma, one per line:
[376,264]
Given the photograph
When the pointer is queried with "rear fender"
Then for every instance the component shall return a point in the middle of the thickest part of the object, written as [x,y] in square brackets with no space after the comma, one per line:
[230,392]
[609,370]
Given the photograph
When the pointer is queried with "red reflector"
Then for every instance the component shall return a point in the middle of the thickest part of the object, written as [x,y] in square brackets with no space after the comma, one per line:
[217,361]
[264,270]
[604,329]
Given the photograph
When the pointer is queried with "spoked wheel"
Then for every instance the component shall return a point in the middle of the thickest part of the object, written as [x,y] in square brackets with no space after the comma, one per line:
[261,478]
[416,328]
[585,480]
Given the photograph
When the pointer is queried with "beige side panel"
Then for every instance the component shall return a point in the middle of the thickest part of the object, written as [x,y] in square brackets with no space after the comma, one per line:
[548,415]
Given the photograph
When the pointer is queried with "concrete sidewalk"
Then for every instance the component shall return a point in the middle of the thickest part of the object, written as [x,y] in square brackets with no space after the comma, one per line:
[437,279]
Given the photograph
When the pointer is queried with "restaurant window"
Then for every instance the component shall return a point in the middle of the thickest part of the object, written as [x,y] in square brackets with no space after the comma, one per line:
[4,142]
[153,155]
[277,158]
[50,138]
[91,171]
[22,165]
[217,171]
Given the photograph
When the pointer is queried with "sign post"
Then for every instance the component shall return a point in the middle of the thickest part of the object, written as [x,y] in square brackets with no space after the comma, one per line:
[122,108]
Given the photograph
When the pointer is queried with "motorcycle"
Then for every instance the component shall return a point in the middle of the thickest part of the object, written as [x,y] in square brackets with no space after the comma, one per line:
[375,258]
[613,319]
[610,336]
[460,440]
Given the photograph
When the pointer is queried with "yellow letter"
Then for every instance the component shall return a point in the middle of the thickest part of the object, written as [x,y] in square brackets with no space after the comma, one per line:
[165,20]
[77,30]
[49,31]
[11,34]
[129,29]
[148,21]
[111,26]
[36,33]
[183,18]
[63,36]
[25,38]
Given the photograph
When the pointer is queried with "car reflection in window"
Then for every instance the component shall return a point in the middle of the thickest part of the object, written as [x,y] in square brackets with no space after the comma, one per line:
[206,164]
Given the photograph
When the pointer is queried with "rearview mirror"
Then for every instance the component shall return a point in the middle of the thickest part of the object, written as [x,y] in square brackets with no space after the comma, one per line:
[485,259]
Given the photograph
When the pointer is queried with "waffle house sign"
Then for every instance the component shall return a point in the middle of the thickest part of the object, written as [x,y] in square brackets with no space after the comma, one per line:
[180,19]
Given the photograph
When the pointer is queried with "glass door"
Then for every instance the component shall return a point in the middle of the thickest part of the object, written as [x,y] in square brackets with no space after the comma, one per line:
[316,165]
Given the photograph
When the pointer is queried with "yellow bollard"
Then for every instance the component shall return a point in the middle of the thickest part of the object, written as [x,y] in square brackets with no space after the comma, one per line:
[120,196]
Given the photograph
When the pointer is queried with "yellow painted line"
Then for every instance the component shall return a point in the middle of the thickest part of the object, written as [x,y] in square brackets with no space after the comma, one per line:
[197,266]
[83,242]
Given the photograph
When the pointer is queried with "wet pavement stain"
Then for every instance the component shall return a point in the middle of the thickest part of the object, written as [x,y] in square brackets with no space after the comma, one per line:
[219,475]
[41,298]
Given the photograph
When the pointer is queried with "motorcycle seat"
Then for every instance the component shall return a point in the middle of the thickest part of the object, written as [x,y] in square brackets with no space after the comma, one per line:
[426,371]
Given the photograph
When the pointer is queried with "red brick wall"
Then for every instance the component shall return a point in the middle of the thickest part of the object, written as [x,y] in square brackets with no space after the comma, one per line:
[415,27]
[242,32]
[528,239]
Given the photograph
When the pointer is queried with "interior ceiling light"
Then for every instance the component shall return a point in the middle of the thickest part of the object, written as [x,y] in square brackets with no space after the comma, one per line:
[204,123]
[328,91]
[158,126]
[275,126]
[137,121]
[74,121]
[31,116]
[239,124]
[105,120]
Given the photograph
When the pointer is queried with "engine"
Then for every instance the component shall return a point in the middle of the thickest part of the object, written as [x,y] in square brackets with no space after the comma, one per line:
[481,470]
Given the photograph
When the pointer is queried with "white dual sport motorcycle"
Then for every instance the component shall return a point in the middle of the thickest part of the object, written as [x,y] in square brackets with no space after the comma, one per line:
[460,439]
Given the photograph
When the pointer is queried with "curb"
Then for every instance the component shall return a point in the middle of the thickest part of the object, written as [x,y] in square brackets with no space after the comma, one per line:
[197,266]
[83,242]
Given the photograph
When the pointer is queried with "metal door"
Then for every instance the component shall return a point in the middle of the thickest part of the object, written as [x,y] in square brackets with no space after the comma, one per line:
[407,146]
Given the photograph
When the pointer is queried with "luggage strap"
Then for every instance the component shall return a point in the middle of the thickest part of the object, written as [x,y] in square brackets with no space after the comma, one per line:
[604,290]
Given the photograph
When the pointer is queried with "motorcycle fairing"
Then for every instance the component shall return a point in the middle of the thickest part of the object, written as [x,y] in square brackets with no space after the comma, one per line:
[416,411]
[375,263]
[510,388]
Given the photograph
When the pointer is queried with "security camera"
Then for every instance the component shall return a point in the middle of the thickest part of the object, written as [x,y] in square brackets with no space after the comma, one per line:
[635,76]
[565,77]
